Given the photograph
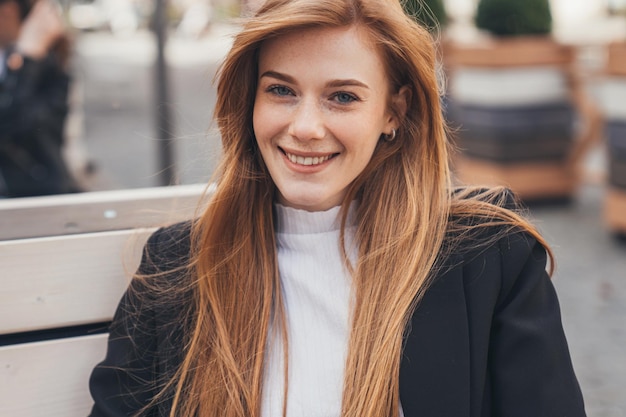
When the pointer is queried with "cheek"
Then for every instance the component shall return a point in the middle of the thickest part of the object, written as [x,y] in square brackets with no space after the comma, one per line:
[363,137]
[368,150]
[264,121]
[364,142]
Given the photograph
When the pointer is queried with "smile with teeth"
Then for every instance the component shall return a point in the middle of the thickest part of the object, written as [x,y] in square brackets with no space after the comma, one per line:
[308,160]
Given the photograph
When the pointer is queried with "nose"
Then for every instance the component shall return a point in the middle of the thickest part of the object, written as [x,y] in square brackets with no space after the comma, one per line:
[307,120]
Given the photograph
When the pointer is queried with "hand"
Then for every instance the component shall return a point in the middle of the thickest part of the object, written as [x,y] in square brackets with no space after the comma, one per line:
[42,27]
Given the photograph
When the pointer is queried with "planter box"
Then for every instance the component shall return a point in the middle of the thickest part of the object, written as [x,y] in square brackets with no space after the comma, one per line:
[615,210]
[513,134]
[616,144]
[613,102]
[521,51]
[613,99]
[513,116]
[532,181]
[616,60]
[509,87]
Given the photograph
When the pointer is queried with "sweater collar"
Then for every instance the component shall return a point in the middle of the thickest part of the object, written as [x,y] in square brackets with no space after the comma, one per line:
[295,221]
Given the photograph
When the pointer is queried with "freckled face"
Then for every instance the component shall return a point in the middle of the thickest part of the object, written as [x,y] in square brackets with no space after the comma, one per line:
[320,108]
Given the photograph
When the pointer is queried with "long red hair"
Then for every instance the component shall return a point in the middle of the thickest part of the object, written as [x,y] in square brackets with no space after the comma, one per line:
[407,211]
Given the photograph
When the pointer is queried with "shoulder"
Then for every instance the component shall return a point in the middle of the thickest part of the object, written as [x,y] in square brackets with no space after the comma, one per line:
[480,217]
[167,248]
[163,274]
[498,252]
[490,237]
[508,254]
[500,197]
[496,270]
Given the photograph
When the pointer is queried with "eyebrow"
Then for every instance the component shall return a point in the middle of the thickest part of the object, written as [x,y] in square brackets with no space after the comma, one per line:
[278,76]
[333,83]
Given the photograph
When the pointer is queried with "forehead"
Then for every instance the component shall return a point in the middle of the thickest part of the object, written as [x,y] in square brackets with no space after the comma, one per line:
[336,51]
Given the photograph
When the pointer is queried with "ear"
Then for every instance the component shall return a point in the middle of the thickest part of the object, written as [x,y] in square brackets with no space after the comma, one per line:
[399,105]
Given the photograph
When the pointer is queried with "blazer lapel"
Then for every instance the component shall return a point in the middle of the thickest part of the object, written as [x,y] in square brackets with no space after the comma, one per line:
[435,368]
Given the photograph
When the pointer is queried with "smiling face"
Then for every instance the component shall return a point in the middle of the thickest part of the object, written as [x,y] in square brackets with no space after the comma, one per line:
[321,106]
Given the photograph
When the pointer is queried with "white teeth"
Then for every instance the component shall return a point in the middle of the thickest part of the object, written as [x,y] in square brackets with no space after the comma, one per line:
[308,160]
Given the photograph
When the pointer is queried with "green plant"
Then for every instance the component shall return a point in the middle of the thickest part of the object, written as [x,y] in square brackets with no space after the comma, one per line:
[430,13]
[514,17]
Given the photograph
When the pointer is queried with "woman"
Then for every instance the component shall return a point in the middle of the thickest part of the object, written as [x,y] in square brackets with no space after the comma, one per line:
[335,272]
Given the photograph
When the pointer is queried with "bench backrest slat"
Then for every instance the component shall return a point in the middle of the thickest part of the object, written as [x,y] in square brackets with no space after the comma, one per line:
[97,211]
[49,378]
[65,280]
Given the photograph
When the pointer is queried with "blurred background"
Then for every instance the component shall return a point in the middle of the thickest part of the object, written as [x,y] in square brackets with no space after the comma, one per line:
[141,101]
[114,88]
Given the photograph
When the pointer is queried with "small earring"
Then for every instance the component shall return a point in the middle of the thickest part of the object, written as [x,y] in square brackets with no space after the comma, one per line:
[390,137]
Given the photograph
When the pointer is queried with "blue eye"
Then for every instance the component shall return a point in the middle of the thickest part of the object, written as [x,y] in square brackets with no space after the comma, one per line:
[345,98]
[279,90]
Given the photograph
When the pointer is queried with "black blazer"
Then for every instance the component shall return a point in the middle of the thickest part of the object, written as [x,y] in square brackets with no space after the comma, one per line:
[486,340]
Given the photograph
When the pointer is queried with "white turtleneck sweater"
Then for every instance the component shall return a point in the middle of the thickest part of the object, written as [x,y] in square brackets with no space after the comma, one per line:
[317,293]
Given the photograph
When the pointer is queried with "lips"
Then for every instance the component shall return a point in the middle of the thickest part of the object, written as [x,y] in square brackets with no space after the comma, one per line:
[308,160]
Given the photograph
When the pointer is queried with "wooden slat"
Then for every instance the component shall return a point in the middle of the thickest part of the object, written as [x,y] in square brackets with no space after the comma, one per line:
[65,280]
[97,211]
[616,62]
[531,180]
[526,51]
[49,378]
[615,209]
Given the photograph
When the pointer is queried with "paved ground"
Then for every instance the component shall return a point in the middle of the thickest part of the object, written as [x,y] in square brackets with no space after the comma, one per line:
[591,281]
[119,138]
[116,84]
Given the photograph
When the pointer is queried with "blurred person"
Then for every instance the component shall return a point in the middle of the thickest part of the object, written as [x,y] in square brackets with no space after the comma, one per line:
[335,272]
[34,82]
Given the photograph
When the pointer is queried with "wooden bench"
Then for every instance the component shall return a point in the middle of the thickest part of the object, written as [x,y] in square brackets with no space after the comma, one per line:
[65,262]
